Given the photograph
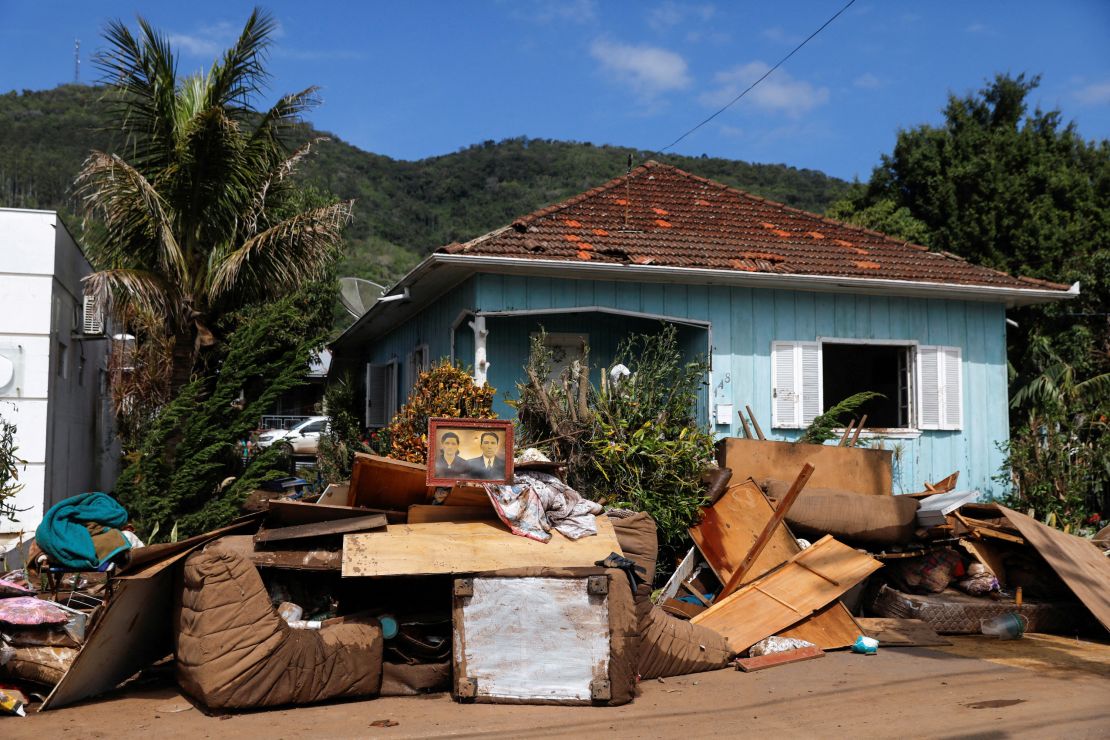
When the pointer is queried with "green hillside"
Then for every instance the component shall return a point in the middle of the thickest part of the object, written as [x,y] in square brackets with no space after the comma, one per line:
[404,209]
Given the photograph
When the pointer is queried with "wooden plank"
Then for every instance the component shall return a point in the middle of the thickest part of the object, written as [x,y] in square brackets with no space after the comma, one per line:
[385,483]
[682,609]
[424,513]
[304,559]
[894,632]
[758,431]
[467,547]
[726,533]
[758,609]
[797,655]
[292,513]
[851,468]
[1078,562]
[768,530]
[321,529]
[830,628]
[464,495]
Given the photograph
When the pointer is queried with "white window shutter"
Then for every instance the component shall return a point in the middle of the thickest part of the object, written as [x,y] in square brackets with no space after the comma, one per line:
[377,384]
[796,378]
[939,388]
[928,387]
[951,389]
[783,393]
[810,353]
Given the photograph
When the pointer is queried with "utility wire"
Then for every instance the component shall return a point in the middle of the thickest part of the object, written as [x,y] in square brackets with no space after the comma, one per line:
[761,79]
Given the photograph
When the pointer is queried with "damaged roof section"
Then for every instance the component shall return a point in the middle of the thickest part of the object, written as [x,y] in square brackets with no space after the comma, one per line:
[660,215]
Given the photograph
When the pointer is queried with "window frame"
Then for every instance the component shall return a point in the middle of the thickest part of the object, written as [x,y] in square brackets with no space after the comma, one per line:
[915,393]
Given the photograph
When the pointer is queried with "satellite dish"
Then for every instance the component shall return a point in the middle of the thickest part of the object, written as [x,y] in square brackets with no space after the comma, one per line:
[358,295]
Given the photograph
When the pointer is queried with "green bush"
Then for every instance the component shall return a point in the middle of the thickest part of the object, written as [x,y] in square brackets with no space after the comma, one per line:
[444,390]
[189,470]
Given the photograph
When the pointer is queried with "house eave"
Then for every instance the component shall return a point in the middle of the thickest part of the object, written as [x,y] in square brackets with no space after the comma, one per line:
[452,269]
[708,276]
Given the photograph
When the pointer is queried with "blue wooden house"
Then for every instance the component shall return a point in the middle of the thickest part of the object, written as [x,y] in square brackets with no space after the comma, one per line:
[795,312]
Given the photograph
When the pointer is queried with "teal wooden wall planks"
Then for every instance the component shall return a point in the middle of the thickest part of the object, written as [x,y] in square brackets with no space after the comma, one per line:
[743,324]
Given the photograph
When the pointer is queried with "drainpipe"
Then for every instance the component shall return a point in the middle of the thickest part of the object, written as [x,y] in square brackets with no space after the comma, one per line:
[481,365]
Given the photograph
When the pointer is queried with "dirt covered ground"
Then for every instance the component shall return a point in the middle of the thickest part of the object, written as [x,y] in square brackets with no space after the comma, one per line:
[1041,686]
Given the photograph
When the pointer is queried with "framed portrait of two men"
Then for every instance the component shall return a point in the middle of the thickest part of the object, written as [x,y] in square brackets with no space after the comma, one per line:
[476,450]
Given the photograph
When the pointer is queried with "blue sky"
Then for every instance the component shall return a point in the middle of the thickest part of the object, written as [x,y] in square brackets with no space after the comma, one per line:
[417,79]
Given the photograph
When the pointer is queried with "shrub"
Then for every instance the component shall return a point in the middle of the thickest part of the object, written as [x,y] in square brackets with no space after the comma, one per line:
[634,442]
[180,474]
[9,468]
[338,445]
[444,390]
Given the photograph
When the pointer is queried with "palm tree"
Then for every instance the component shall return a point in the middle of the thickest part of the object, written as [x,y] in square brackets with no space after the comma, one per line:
[199,221]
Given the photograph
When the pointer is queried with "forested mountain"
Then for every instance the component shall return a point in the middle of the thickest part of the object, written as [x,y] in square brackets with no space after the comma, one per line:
[403,209]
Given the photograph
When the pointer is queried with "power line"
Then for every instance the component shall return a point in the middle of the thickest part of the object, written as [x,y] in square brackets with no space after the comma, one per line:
[761,79]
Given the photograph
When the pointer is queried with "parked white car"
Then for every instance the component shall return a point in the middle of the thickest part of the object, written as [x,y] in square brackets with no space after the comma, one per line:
[303,438]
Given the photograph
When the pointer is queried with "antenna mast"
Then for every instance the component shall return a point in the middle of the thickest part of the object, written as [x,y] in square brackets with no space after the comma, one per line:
[76,61]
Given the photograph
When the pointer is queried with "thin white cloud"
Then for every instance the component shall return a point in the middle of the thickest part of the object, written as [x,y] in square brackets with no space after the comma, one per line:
[779,36]
[779,93]
[1097,93]
[549,11]
[867,81]
[731,132]
[670,14]
[648,70]
[208,41]
[980,28]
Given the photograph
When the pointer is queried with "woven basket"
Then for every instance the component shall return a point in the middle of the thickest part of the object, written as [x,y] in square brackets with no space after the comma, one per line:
[952,612]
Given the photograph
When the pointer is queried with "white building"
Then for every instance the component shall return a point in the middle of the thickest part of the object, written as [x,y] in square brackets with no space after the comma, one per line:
[53,368]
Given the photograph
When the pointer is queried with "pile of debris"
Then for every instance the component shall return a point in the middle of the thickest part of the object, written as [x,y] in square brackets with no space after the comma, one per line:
[526,593]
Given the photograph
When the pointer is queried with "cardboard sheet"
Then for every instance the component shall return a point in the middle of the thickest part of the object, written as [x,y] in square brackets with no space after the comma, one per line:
[1078,562]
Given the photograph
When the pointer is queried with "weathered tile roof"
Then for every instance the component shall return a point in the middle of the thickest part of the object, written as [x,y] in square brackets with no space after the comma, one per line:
[661,215]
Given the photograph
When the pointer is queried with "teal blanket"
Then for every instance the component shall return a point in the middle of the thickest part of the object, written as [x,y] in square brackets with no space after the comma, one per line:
[64,537]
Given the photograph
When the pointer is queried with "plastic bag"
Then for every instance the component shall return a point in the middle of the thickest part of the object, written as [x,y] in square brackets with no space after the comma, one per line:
[770,645]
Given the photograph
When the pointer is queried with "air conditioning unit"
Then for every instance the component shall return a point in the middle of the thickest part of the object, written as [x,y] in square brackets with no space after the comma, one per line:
[92,318]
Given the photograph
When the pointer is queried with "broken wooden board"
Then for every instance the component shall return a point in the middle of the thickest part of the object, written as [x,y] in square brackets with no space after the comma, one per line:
[848,468]
[989,554]
[467,547]
[1078,562]
[681,609]
[321,529]
[730,527]
[895,632]
[815,577]
[424,513]
[385,483]
[306,559]
[761,662]
[135,629]
[292,513]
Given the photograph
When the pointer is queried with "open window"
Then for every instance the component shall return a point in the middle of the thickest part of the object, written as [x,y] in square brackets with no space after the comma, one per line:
[381,393]
[921,385]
